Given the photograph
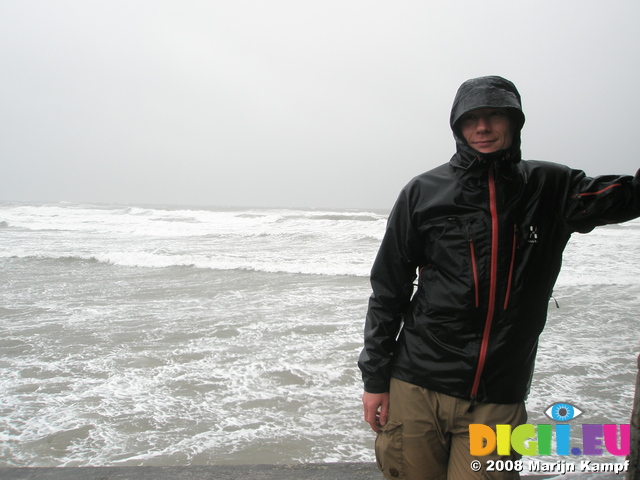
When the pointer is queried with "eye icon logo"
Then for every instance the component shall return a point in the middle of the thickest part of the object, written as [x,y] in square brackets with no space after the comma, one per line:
[562,412]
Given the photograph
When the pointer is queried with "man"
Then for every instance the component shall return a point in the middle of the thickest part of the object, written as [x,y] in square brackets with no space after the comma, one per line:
[483,235]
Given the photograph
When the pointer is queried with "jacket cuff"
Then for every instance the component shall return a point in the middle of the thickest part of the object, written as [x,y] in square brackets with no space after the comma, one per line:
[375,386]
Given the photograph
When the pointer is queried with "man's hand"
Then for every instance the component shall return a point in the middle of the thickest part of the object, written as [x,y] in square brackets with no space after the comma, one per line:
[376,409]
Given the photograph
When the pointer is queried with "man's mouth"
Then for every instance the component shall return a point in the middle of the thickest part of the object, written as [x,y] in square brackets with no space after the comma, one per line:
[483,143]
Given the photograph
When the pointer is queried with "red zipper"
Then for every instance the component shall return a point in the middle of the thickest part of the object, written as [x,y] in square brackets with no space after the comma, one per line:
[474,268]
[492,286]
[513,261]
[585,194]
[420,271]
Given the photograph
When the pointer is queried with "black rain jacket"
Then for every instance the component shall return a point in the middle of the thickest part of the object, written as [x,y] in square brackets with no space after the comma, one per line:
[484,236]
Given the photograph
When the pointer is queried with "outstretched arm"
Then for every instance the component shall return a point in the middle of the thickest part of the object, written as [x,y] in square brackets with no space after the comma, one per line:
[602,200]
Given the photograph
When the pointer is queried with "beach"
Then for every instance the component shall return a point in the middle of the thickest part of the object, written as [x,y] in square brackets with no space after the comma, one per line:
[164,336]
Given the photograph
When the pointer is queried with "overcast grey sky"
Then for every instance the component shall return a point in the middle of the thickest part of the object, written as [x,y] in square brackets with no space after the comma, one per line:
[296,103]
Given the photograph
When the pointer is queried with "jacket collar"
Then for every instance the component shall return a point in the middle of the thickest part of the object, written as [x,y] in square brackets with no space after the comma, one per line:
[468,163]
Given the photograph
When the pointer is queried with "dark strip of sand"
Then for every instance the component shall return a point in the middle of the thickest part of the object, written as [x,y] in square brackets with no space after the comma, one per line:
[318,471]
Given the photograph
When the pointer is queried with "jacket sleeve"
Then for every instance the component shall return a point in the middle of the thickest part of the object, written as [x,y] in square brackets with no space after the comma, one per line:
[392,276]
[601,200]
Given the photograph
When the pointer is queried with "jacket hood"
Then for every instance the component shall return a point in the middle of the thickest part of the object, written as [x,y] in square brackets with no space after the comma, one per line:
[487,92]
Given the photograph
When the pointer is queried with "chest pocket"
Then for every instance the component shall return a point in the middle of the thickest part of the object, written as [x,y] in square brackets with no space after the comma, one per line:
[450,282]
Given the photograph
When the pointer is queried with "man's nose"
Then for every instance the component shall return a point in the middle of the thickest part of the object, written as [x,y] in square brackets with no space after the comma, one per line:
[483,124]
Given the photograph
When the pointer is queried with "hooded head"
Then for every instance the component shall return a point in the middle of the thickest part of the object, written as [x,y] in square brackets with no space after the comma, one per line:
[488,92]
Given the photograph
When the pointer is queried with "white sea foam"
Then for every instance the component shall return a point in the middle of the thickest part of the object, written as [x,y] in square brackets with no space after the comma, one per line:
[607,256]
[148,336]
[290,241]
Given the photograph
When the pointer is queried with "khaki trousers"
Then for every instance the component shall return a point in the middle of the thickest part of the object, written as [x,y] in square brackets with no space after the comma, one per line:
[427,435]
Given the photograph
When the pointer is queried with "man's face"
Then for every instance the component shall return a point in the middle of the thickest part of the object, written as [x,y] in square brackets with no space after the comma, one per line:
[487,130]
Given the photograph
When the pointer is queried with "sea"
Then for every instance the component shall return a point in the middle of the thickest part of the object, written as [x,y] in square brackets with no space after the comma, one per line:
[161,335]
